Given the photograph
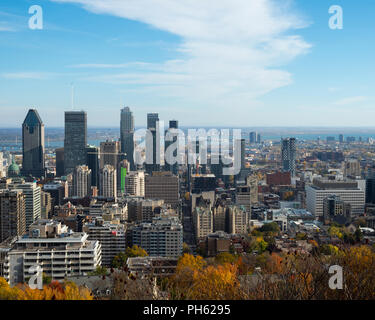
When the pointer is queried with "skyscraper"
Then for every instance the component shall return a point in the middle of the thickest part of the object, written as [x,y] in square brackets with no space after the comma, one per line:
[154,145]
[33,145]
[92,161]
[60,171]
[288,155]
[75,140]
[109,153]
[127,135]
[32,201]
[152,120]
[253,137]
[341,138]
[108,182]
[12,214]
[173,132]
[82,181]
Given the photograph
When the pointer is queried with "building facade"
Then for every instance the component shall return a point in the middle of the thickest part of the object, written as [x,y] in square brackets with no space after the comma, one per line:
[75,140]
[33,145]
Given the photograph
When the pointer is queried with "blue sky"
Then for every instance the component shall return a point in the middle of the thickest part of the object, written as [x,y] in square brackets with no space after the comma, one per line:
[228,62]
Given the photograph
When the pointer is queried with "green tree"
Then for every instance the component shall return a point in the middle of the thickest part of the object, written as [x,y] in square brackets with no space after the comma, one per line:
[270,227]
[119,261]
[99,271]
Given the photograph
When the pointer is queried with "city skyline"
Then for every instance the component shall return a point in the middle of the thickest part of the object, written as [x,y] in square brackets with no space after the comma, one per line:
[273,61]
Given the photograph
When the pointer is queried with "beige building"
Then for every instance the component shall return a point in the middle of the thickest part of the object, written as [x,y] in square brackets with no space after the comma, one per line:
[135,183]
[238,219]
[81,181]
[203,221]
[108,182]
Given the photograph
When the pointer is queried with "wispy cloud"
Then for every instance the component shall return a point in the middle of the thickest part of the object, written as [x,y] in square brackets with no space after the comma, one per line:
[351,101]
[232,51]
[109,66]
[27,75]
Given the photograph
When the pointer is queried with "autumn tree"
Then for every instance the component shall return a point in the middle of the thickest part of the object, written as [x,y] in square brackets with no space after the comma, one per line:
[119,261]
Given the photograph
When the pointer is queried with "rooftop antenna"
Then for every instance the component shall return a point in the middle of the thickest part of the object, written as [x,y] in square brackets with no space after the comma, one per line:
[72,87]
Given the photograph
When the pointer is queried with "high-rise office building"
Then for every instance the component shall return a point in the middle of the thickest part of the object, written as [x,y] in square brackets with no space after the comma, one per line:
[259,138]
[60,170]
[253,137]
[162,185]
[152,120]
[81,181]
[153,158]
[288,155]
[32,194]
[12,214]
[127,136]
[172,135]
[75,140]
[348,191]
[33,145]
[108,182]
[341,138]
[109,153]
[92,161]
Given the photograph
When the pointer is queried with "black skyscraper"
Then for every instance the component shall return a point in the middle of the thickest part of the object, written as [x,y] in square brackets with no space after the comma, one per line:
[152,124]
[127,135]
[75,140]
[92,161]
[33,145]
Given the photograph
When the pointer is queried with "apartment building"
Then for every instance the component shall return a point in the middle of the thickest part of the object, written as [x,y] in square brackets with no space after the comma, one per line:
[58,251]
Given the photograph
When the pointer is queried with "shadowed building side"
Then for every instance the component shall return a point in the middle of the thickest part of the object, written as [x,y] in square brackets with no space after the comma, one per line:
[33,145]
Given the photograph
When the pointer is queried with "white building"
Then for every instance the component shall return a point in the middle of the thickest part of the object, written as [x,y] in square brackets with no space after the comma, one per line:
[108,182]
[82,181]
[55,249]
[348,191]
[203,219]
[135,183]
[238,220]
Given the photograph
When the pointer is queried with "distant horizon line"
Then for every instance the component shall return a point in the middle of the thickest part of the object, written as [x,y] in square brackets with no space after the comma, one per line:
[218,126]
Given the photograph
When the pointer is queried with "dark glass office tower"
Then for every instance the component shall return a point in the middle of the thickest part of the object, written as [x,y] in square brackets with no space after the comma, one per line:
[75,140]
[92,161]
[33,145]
[127,136]
[152,123]
[152,120]
[288,155]
[173,126]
